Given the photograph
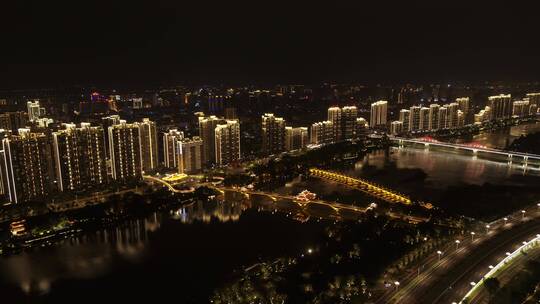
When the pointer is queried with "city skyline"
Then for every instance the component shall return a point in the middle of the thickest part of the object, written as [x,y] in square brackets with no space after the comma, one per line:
[270,152]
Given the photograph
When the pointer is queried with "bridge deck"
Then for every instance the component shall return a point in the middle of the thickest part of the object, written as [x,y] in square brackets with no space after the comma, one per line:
[474,149]
[362,185]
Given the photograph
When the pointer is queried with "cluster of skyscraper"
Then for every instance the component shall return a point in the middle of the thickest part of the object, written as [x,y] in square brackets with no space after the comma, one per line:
[35,164]
[342,124]
[434,117]
[502,107]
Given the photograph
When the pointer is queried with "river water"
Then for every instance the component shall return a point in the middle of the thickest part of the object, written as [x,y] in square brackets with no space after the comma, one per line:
[184,254]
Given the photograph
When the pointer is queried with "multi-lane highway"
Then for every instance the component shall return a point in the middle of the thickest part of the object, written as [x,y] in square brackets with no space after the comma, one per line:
[447,277]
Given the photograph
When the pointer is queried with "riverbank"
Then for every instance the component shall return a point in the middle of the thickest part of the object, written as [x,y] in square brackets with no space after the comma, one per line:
[57,224]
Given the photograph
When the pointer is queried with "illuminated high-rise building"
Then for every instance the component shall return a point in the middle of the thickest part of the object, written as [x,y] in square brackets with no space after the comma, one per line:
[464,104]
[414,118]
[79,155]
[334,116]
[501,106]
[533,109]
[520,108]
[227,142]
[189,155]
[35,111]
[322,133]
[378,115]
[124,143]
[433,116]
[296,138]
[148,142]
[534,98]
[442,118]
[452,112]
[349,114]
[106,122]
[460,119]
[170,147]
[28,166]
[482,116]
[207,127]
[424,119]
[13,121]
[405,118]
[273,134]
[396,127]
[361,128]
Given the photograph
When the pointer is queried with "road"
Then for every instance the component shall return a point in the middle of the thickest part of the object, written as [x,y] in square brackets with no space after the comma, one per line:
[447,279]
[506,270]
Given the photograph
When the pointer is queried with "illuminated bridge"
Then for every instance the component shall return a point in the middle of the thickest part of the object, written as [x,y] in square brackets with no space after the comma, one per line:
[362,185]
[337,207]
[169,182]
[471,149]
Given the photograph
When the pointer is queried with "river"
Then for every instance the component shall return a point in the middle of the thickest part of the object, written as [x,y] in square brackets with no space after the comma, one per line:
[185,253]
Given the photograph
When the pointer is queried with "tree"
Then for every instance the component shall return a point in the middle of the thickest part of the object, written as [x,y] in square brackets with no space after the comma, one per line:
[492,285]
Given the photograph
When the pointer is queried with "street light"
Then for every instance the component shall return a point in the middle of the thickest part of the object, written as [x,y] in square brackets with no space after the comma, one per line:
[457,244]
[396,283]
[472,236]
[439,253]
[505,220]
[523,214]
[487,229]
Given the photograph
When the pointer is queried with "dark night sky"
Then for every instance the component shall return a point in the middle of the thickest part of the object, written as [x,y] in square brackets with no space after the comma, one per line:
[148,42]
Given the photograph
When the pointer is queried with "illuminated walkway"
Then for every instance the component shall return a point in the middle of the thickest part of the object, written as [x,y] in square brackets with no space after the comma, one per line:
[363,185]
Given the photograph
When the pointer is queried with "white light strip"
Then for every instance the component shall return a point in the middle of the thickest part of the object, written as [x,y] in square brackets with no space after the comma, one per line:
[501,264]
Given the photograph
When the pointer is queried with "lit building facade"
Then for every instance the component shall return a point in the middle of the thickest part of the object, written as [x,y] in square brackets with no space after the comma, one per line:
[433,116]
[27,166]
[79,155]
[227,142]
[378,114]
[273,134]
[170,147]
[207,127]
[322,133]
[148,142]
[125,151]
[404,117]
[296,138]
[501,106]
[190,155]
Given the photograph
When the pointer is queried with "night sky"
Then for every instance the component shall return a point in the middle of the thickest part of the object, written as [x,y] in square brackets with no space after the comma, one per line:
[151,42]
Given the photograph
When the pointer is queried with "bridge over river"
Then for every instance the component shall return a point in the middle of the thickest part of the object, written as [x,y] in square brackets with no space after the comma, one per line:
[474,150]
